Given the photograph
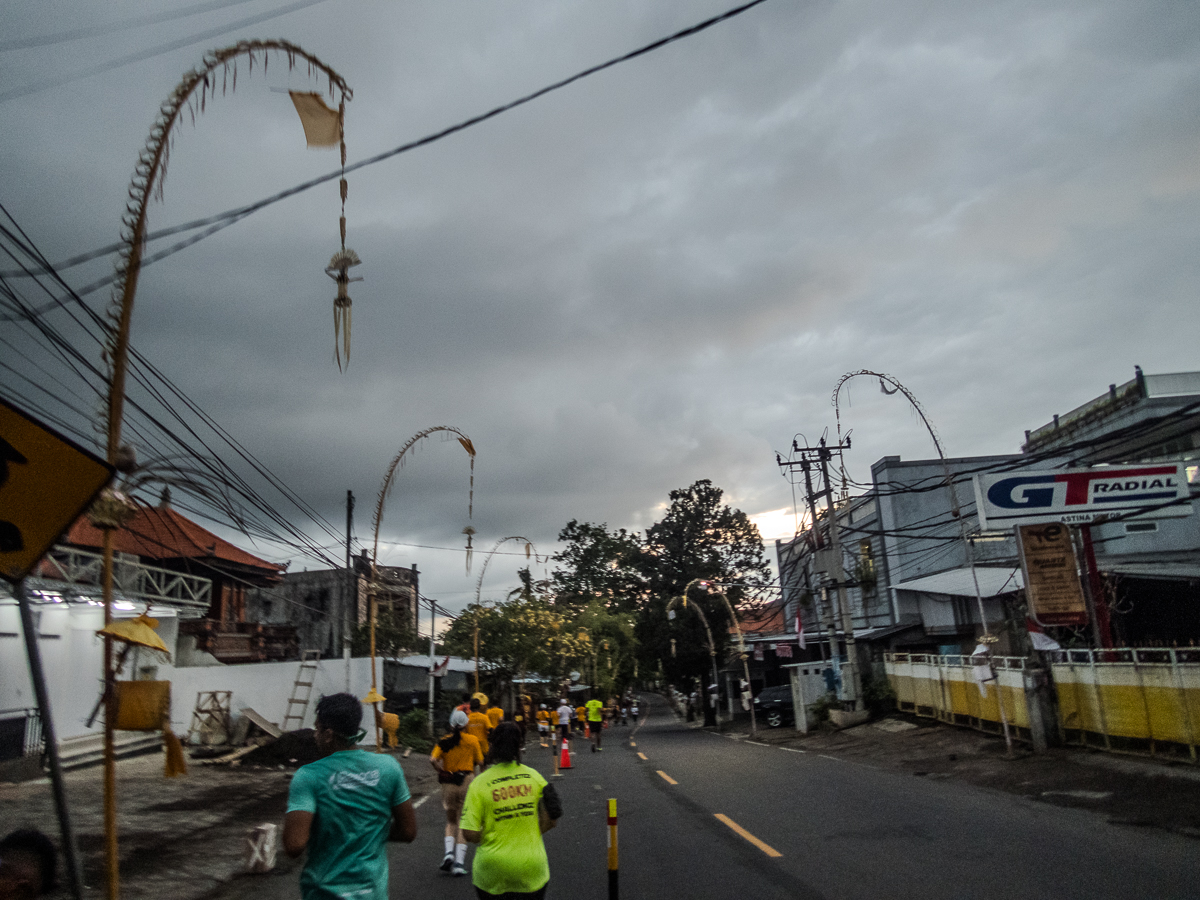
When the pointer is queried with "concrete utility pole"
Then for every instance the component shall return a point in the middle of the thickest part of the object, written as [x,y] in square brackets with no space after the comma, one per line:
[831,557]
[839,575]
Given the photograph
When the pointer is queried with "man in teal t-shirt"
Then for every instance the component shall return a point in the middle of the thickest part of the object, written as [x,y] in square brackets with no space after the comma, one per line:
[344,808]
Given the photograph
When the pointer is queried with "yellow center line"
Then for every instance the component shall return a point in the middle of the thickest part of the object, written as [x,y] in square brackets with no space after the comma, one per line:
[642,755]
[764,847]
[633,743]
[667,777]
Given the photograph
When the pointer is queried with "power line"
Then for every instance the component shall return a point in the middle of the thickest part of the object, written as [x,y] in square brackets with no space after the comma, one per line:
[77,34]
[220,220]
[143,55]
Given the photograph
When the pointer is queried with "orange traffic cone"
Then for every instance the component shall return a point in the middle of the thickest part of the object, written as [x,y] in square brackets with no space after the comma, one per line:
[565,761]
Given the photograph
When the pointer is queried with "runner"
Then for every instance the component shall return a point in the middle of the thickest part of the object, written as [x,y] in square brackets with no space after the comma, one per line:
[580,722]
[543,722]
[565,713]
[508,809]
[635,710]
[595,714]
[494,713]
[344,808]
[478,724]
[456,757]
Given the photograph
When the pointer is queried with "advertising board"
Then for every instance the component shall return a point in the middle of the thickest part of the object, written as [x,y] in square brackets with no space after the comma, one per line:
[1081,496]
[1052,583]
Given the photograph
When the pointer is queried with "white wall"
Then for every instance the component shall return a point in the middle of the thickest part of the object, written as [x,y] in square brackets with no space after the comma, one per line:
[73,659]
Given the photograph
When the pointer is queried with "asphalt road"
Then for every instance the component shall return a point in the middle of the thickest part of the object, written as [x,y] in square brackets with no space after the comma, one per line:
[732,817]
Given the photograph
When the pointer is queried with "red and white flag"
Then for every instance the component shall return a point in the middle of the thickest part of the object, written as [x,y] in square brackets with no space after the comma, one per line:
[800,627]
[441,668]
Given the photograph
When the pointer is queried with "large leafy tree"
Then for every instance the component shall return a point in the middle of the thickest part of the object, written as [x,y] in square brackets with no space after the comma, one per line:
[698,538]
[598,565]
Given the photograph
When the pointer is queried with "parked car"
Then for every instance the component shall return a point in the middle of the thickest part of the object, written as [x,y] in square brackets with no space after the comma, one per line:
[774,706]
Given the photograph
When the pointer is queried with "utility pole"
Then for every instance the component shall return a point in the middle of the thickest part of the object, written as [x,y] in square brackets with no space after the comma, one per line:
[832,555]
[432,625]
[351,588]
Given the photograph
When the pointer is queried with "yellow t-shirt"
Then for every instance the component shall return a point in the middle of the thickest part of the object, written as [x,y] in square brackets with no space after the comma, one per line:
[463,758]
[580,713]
[543,717]
[478,725]
[495,715]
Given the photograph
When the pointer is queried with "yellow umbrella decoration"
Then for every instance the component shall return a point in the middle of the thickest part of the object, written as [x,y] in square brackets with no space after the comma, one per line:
[137,632]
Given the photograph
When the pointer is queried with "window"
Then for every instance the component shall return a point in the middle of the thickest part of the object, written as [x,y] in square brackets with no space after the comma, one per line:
[1134,527]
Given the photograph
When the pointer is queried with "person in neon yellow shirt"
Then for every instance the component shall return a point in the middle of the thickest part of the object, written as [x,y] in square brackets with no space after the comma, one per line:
[595,714]
[508,809]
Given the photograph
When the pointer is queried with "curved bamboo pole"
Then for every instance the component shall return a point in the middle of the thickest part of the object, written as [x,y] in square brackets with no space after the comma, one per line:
[147,182]
[529,549]
[385,491]
[955,510]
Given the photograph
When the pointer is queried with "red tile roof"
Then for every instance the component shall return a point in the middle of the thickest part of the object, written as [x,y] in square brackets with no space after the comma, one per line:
[765,620]
[158,532]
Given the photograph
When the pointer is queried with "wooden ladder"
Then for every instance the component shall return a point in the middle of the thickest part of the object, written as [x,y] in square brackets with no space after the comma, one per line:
[297,704]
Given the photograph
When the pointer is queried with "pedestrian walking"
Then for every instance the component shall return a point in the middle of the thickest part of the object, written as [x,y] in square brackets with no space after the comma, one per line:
[635,711]
[543,723]
[595,714]
[508,809]
[28,863]
[344,808]
[456,757]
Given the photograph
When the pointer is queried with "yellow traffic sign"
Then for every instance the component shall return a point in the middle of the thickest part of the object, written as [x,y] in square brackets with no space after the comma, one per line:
[46,481]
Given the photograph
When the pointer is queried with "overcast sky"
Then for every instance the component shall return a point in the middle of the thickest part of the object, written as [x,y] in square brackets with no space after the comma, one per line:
[655,275]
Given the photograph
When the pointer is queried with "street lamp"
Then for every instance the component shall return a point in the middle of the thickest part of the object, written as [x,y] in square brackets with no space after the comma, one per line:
[147,181]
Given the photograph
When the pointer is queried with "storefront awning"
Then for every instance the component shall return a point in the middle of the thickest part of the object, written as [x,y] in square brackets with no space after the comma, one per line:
[959,583]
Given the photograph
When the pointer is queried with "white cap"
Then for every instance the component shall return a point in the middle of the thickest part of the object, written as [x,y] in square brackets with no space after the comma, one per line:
[458,719]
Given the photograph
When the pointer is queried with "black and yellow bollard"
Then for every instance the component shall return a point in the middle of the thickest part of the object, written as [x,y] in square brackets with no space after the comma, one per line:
[613,892]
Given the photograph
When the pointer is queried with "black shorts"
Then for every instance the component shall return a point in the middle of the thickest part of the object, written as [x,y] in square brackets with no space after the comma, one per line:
[594,728]
[564,730]
[513,895]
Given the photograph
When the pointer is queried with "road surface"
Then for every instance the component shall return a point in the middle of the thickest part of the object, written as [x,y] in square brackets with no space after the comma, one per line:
[703,816]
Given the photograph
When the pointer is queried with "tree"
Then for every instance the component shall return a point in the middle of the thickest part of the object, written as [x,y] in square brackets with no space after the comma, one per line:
[598,564]
[518,637]
[698,538]
[394,635]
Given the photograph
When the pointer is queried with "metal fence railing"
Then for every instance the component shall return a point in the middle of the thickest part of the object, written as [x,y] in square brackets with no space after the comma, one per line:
[1130,699]
[945,688]
[20,733]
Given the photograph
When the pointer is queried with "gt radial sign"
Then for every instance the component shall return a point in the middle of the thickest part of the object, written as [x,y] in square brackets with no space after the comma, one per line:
[1081,496]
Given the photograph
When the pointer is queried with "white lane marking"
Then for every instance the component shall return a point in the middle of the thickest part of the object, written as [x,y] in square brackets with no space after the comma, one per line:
[417,803]
[823,756]
[793,750]
[756,743]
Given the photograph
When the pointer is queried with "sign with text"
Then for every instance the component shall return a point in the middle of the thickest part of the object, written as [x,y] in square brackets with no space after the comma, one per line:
[46,481]
[1052,583]
[1082,496]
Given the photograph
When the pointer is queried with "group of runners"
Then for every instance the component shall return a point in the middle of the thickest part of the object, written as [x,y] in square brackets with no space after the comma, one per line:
[591,718]
[491,799]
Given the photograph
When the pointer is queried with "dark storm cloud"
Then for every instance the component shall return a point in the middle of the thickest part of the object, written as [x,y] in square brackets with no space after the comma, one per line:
[659,273]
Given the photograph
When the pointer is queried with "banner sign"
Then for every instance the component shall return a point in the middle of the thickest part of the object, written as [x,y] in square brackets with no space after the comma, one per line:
[1052,582]
[1081,496]
[46,481]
